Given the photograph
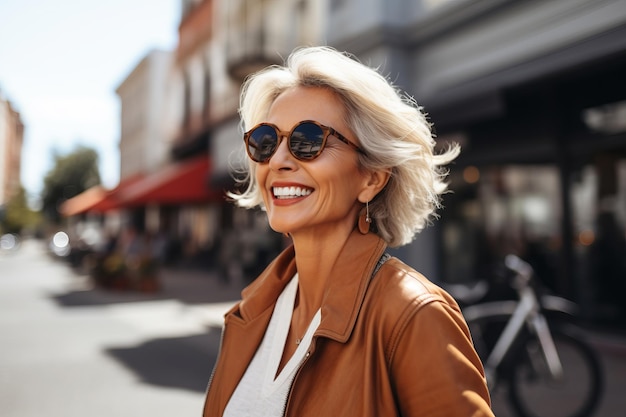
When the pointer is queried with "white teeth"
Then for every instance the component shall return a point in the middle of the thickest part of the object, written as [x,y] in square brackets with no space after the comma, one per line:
[290,192]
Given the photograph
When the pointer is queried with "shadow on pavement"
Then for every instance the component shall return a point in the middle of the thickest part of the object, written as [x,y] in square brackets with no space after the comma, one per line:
[186,286]
[181,362]
[99,297]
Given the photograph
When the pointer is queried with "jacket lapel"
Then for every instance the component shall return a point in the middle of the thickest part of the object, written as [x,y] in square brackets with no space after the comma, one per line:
[263,292]
[348,284]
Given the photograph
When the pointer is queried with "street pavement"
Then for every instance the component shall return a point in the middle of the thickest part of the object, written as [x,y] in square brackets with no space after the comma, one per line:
[68,349]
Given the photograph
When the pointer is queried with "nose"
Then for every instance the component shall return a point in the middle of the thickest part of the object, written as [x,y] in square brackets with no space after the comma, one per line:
[282,158]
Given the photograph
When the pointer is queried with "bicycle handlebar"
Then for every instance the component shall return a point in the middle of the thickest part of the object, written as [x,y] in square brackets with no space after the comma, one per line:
[521,268]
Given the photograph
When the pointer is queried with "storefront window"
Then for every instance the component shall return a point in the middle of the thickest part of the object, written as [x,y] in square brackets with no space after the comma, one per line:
[599,200]
[498,210]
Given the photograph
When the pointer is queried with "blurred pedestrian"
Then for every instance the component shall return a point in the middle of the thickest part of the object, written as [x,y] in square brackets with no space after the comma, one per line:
[334,326]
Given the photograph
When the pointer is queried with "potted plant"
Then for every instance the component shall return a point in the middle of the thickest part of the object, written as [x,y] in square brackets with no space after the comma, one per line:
[147,274]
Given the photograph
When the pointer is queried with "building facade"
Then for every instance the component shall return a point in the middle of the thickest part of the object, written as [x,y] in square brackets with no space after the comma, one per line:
[143,145]
[11,140]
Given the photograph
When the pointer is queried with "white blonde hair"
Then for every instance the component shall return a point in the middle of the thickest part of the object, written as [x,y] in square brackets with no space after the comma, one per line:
[391,128]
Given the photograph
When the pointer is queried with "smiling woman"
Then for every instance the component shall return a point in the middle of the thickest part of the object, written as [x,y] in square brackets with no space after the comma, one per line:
[345,166]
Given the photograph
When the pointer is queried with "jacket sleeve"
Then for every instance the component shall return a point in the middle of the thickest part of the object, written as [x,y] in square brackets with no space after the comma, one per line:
[434,367]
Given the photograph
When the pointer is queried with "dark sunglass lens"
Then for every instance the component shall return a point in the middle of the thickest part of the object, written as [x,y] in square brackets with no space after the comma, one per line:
[306,141]
[262,143]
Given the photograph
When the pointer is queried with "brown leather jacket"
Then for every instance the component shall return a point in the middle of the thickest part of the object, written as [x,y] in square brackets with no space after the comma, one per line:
[393,344]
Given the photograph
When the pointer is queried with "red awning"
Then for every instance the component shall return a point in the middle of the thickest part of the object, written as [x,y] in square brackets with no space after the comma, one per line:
[112,199]
[182,182]
[84,201]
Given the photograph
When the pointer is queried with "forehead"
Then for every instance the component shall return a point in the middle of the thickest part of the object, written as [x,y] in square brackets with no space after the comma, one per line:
[307,103]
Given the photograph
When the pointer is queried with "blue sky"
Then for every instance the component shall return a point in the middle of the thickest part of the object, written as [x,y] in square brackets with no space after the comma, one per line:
[60,63]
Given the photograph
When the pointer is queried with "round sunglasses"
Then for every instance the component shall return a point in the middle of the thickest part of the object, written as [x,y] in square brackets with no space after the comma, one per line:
[306,140]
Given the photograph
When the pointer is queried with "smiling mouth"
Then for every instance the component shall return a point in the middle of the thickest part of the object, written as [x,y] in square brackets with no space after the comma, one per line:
[282,193]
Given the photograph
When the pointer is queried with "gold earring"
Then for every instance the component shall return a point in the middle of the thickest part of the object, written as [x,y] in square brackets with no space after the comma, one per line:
[365,220]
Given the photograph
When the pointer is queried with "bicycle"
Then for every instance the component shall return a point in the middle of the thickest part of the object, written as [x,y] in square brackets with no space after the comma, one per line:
[532,345]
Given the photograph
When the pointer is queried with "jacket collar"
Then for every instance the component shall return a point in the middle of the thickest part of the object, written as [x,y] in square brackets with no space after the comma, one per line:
[343,296]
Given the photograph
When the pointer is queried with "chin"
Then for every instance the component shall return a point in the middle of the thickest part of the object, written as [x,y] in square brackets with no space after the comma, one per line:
[280,226]
[283,230]
[278,229]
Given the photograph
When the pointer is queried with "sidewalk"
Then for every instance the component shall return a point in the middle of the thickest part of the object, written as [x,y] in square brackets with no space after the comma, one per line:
[607,340]
[82,350]
[191,286]
[203,293]
[196,286]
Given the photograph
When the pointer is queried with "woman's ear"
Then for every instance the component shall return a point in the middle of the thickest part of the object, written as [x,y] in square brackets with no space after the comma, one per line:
[375,181]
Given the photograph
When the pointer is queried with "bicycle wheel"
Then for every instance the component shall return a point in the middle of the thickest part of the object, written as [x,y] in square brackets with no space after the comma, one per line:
[534,393]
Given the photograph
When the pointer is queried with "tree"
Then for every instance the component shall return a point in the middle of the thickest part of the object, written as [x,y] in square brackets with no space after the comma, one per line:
[17,216]
[71,175]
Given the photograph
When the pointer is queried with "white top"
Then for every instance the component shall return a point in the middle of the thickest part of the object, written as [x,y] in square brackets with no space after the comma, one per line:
[260,392]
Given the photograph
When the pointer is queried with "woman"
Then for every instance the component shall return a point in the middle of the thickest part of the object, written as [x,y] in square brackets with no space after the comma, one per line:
[334,326]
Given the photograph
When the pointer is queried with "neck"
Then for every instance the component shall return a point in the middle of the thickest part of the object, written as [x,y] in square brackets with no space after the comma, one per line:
[315,259]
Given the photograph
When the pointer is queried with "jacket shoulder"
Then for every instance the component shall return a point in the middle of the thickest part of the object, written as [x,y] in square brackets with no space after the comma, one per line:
[423,333]
[402,284]
[400,297]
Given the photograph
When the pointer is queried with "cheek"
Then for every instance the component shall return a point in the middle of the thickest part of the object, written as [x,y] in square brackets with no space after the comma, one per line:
[260,176]
[343,187]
